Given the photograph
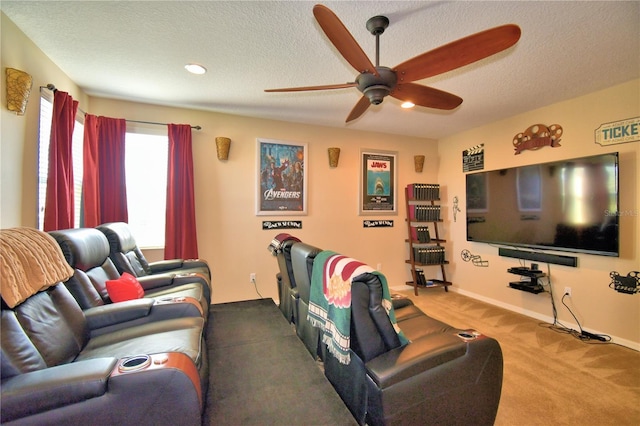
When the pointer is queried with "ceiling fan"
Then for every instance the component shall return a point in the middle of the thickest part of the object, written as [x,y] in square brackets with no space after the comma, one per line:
[376,82]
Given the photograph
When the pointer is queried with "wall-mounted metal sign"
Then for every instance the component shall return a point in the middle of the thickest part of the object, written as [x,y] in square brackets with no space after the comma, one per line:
[616,132]
[473,158]
[538,136]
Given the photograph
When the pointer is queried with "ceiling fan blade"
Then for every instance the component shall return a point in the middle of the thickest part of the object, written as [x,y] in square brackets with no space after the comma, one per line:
[307,88]
[358,109]
[426,96]
[343,40]
[458,53]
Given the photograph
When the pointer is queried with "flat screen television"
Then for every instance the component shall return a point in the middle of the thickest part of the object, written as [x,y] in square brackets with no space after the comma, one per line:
[567,205]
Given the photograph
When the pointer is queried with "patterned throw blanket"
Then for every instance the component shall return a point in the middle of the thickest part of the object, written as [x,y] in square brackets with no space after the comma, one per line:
[30,261]
[330,300]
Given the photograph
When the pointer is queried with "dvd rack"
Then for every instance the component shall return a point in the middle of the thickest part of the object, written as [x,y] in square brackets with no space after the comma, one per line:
[425,245]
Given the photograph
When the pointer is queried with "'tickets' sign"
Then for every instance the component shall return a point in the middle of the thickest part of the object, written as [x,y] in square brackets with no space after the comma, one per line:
[618,132]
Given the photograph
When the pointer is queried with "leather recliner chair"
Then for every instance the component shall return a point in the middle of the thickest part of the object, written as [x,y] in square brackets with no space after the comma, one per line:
[53,372]
[442,376]
[86,250]
[127,256]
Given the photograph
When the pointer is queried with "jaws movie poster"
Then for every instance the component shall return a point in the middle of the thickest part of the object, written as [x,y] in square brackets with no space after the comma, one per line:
[378,188]
[282,178]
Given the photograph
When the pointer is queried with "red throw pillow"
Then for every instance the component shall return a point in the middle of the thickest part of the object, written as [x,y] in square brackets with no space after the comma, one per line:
[124,288]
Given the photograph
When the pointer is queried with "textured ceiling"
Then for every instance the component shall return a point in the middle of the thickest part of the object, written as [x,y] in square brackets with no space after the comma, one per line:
[137,50]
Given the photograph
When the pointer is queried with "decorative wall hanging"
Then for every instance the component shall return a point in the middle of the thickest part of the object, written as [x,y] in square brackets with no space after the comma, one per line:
[377,224]
[378,182]
[282,224]
[19,85]
[475,259]
[538,136]
[222,148]
[281,187]
[628,285]
[418,163]
[616,132]
[334,156]
[456,209]
[473,158]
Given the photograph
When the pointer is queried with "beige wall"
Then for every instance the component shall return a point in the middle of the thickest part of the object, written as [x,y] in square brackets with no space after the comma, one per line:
[597,307]
[230,235]
[19,134]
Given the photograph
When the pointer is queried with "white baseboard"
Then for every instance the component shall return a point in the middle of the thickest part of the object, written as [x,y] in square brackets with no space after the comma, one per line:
[532,314]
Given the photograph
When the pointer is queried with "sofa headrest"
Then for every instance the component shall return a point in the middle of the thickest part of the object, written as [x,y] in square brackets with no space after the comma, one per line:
[84,248]
[119,235]
[302,257]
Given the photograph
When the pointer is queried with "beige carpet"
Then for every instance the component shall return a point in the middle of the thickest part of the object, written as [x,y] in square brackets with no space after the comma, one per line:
[550,378]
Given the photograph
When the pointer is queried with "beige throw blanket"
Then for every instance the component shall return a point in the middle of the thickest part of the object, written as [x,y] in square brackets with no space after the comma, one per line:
[30,261]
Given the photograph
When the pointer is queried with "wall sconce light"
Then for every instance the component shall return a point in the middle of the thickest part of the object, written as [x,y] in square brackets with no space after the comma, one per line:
[334,156]
[418,162]
[18,89]
[222,147]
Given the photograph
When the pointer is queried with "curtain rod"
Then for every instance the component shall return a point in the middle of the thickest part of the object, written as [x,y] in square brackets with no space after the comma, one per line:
[53,89]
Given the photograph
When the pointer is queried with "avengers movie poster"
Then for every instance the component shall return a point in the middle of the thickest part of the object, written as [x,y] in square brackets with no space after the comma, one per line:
[378,183]
[282,179]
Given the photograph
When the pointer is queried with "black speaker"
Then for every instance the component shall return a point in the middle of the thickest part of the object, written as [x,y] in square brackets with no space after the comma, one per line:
[539,257]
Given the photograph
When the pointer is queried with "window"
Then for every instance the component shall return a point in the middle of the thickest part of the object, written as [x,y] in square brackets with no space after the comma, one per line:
[46,113]
[146,169]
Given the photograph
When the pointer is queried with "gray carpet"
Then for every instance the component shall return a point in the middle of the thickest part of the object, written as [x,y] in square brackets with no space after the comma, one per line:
[261,373]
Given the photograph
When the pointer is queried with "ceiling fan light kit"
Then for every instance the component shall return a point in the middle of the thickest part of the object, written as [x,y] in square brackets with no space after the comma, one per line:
[377,82]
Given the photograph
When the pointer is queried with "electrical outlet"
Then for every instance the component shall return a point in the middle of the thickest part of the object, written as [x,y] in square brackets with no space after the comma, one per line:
[379,267]
[567,291]
[252,277]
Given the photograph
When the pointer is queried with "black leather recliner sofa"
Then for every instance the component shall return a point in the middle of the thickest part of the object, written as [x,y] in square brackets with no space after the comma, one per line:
[56,371]
[443,375]
[87,251]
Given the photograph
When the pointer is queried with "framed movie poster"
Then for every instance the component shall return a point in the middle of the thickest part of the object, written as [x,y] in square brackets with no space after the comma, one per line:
[282,178]
[378,193]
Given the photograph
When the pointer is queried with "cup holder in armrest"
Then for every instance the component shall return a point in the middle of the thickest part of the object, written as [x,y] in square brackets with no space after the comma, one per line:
[468,335]
[134,363]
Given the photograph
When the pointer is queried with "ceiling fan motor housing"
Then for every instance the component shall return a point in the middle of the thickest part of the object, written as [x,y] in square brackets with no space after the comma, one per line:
[376,88]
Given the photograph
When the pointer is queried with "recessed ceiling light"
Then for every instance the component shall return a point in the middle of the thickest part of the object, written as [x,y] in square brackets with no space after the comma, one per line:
[408,104]
[195,68]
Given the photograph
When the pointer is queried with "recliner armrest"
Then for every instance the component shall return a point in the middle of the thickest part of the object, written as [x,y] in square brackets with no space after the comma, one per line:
[149,282]
[165,265]
[115,313]
[38,391]
[410,360]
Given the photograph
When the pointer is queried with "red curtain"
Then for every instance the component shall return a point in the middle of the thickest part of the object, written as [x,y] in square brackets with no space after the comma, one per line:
[180,228]
[112,183]
[59,209]
[90,183]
